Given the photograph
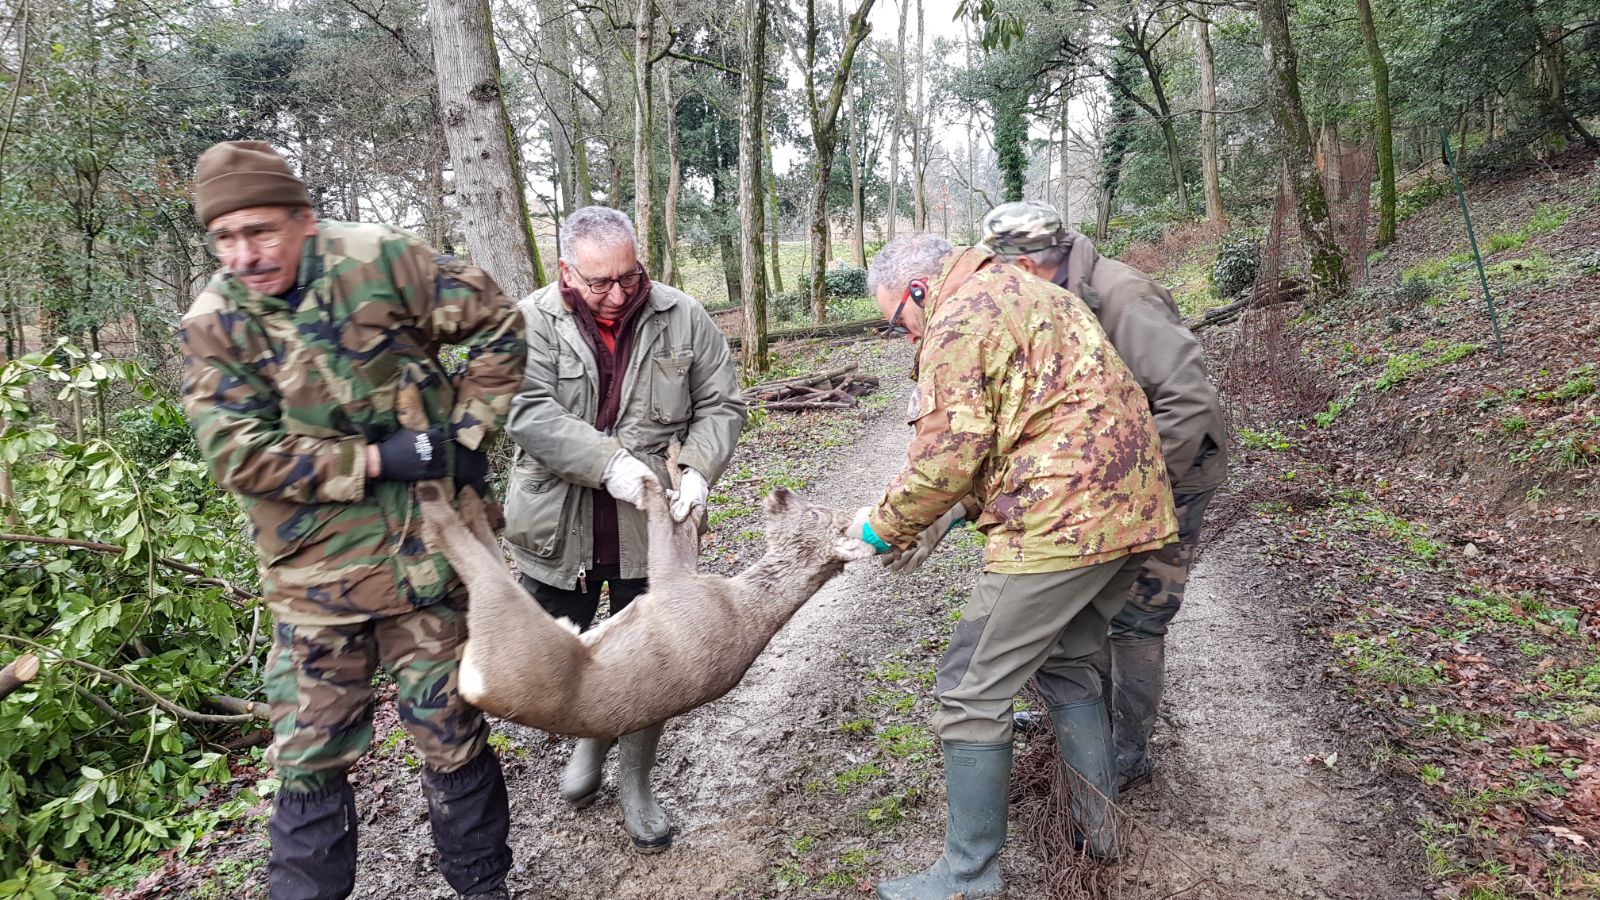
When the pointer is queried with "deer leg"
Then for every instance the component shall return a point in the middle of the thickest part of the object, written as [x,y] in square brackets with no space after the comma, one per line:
[674,546]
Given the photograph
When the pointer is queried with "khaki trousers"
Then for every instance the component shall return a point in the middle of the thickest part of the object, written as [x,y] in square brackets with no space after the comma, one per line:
[1015,627]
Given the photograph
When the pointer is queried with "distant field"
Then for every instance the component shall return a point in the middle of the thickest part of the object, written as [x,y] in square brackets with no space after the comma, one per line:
[703,279]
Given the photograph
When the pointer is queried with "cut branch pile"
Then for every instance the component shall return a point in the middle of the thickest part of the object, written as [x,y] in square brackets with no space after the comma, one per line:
[1288,290]
[837,389]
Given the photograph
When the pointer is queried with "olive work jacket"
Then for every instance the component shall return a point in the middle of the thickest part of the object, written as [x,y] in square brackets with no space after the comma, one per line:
[1148,332]
[680,382]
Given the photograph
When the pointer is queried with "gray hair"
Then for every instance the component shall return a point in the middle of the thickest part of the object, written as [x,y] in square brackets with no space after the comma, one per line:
[1048,260]
[597,226]
[906,259]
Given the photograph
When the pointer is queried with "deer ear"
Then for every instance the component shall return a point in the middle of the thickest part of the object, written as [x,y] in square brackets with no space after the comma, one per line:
[779,500]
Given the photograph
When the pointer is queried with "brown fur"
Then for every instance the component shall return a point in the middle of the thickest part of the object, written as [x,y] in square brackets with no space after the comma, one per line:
[684,644]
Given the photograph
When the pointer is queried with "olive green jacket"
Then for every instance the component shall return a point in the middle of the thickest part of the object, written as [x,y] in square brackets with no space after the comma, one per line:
[1148,332]
[680,382]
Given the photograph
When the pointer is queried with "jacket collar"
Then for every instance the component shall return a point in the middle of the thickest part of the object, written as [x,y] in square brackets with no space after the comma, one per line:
[1075,273]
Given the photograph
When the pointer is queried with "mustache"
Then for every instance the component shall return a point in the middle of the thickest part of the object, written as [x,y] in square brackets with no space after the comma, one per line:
[259,269]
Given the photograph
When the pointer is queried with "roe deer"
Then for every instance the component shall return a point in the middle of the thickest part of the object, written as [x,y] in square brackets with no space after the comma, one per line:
[682,645]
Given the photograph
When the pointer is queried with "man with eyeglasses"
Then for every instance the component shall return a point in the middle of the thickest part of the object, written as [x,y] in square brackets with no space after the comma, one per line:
[294,354]
[1029,423]
[619,368]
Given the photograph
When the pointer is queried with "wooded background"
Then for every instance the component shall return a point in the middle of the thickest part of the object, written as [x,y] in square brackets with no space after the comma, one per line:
[765,149]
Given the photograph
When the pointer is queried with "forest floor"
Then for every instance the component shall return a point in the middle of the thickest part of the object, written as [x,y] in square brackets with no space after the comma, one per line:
[1384,682]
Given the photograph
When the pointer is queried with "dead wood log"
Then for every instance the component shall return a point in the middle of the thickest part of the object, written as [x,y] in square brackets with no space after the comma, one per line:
[17,673]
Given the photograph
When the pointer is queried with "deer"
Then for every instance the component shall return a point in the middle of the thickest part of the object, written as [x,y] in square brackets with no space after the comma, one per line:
[685,643]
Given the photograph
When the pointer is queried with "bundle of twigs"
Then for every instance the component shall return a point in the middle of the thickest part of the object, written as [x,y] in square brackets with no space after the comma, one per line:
[837,389]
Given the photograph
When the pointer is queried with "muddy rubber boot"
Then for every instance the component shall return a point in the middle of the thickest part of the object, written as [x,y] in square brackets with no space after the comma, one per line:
[977,778]
[1137,670]
[646,821]
[1084,738]
[580,781]
[471,821]
[313,844]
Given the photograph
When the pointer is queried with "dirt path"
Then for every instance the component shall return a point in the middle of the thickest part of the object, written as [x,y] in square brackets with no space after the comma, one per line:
[1235,812]
[1236,808]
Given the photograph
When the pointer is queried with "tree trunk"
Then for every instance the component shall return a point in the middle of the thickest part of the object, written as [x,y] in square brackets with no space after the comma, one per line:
[1010,142]
[560,97]
[1066,149]
[898,123]
[772,202]
[751,195]
[1169,132]
[644,26]
[1209,172]
[670,272]
[483,150]
[1384,122]
[824,117]
[858,225]
[919,150]
[1328,274]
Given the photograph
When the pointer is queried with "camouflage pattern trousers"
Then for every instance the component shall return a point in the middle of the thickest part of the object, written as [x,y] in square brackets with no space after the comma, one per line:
[319,685]
[1158,591]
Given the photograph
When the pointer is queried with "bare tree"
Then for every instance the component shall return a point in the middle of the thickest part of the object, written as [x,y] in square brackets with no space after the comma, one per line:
[751,194]
[489,186]
[1385,124]
[1208,122]
[1328,273]
[899,120]
[824,116]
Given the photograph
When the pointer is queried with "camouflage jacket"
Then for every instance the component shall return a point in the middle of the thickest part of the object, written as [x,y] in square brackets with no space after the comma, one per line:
[1023,403]
[285,399]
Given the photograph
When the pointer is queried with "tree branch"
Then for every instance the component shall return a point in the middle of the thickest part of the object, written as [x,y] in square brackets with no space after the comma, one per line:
[254,710]
[236,592]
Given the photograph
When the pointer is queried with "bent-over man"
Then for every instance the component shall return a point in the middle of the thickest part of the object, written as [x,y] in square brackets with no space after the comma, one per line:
[1148,332]
[618,368]
[293,357]
[1029,420]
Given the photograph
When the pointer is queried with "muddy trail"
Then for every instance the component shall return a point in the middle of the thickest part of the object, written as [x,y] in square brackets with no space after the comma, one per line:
[819,775]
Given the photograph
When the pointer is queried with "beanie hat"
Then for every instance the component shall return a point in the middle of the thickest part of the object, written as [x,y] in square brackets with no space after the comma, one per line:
[236,175]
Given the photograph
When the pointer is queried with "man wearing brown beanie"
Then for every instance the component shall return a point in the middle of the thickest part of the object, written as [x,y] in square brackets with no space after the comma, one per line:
[294,355]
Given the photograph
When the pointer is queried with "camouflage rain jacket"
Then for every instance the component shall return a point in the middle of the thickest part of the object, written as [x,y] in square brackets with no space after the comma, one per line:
[285,399]
[1023,403]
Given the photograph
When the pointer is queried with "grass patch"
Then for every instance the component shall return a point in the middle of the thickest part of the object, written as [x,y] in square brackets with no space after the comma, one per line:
[1251,439]
[849,779]
[901,741]
[1404,366]
[1384,664]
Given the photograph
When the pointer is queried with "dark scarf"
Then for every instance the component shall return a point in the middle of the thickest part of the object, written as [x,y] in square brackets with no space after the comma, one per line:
[611,363]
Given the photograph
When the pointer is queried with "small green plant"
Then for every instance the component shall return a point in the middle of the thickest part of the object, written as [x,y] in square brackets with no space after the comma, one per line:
[904,740]
[857,727]
[852,778]
[1336,408]
[1263,440]
[1535,494]
[1514,424]
[1431,774]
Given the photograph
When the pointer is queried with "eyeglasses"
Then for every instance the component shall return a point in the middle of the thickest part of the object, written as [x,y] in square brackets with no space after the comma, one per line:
[604,285]
[260,234]
[894,326]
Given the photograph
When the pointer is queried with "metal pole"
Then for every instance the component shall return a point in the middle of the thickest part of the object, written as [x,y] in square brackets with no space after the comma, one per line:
[1461,196]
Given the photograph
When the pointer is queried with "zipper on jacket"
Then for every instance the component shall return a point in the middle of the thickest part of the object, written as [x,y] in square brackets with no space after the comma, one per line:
[583,579]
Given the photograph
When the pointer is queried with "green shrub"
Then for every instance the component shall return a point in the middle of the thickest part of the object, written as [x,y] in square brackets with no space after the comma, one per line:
[1238,263]
[90,769]
[846,281]
[1419,196]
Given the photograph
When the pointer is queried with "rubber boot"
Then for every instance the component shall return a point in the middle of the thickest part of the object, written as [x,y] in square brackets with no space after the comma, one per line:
[646,821]
[977,778]
[313,843]
[1137,669]
[1084,738]
[580,781]
[471,821]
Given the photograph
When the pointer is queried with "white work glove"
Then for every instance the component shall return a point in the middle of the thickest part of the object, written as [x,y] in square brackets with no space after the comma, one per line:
[692,492]
[862,531]
[911,559]
[625,478]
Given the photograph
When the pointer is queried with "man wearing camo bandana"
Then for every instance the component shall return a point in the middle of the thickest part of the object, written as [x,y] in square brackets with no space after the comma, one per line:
[1148,332]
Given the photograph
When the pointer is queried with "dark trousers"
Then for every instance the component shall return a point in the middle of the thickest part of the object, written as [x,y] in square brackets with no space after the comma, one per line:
[580,604]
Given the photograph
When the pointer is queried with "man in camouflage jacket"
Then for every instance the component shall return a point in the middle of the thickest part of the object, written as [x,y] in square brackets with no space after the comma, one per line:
[293,357]
[1028,421]
[1147,331]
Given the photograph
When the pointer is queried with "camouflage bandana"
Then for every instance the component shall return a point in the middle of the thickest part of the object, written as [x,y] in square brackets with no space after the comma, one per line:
[1023,227]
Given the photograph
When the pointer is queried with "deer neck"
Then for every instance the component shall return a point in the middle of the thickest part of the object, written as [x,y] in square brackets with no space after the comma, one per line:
[785,583]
